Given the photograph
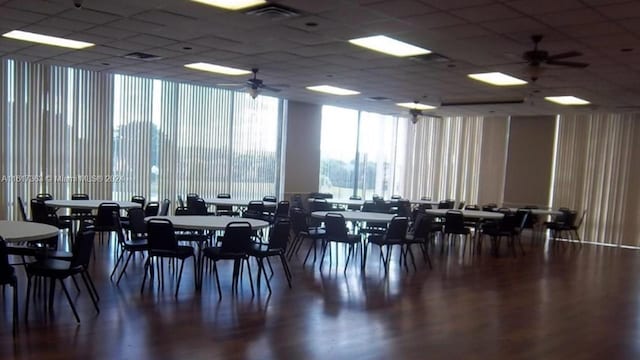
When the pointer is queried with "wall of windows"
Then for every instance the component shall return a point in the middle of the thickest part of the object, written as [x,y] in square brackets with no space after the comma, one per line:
[66,130]
[361,153]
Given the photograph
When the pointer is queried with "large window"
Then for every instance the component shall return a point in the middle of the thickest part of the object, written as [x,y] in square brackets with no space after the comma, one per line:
[360,153]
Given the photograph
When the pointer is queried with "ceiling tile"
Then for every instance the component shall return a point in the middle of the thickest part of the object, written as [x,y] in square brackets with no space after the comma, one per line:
[544,6]
[625,10]
[486,13]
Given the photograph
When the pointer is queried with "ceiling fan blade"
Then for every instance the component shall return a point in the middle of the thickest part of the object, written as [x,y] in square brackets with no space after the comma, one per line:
[568,63]
[269,88]
[564,55]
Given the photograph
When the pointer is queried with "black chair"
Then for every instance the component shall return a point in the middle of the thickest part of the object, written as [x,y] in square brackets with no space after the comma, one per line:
[181,202]
[454,226]
[191,198]
[395,235]
[282,212]
[8,277]
[303,231]
[135,243]
[269,198]
[446,204]
[139,200]
[226,210]
[162,244]
[40,214]
[277,246]
[255,210]
[336,232]
[164,207]
[423,231]
[507,228]
[198,207]
[354,207]
[104,219]
[396,197]
[80,214]
[374,227]
[55,269]
[461,205]
[152,208]
[235,245]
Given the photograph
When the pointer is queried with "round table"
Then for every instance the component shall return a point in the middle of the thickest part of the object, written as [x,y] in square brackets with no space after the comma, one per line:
[196,222]
[236,202]
[348,202]
[19,231]
[424,202]
[472,214]
[89,204]
[356,216]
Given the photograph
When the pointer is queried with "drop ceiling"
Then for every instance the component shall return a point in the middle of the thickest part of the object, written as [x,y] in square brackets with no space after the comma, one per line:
[471,36]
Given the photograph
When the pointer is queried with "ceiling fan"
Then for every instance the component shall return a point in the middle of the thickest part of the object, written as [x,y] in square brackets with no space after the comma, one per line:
[254,85]
[417,114]
[537,57]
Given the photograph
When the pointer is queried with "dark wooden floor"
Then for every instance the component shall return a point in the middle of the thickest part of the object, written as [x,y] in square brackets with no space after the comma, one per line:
[564,303]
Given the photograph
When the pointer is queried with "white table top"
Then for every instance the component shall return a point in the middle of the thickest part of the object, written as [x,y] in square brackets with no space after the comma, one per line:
[17,231]
[356,216]
[540,211]
[343,202]
[89,204]
[425,202]
[235,202]
[208,222]
[475,214]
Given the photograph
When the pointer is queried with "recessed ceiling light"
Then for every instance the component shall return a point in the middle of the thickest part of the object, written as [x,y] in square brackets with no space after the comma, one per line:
[47,39]
[231,4]
[567,100]
[387,45]
[416,106]
[218,69]
[497,78]
[332,90]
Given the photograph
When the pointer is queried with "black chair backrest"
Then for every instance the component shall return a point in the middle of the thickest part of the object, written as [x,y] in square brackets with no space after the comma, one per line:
[44,196]
[197,207]
[319,205]
[397,228]
[296,201]
[453,220]
[180,201]
[298,220]
[161,235]
[23,211]
[472,207]
[509,222]
[523,219]
[152,208]
[283,209]
[396,197]
[118,227]
[279,234]
[269,198]
[335,226]
[571,218]
[82,247]
[136,221]
[75,211]
[426,198]
[6,270]
[104,216]
[164,207]
[461,205]
[79,197]
[445,204]
[403,208]
[191,198]
[39,212]
[237,237]
[181,211]
[489,207]
[422,226]
[255,206]
[139,200]
[224,196]
[355,197]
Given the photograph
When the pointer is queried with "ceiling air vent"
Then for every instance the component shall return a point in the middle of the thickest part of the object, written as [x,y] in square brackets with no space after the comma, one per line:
[378,98]
[142,56]
[274,11]
[432,58]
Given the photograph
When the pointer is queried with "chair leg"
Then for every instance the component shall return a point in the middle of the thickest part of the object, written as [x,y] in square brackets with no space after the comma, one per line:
[26,305]
[179,277]
[115,266]
[146,269]
[126,263]
[15,308]
[93,300]
[270,267]
[73,308]
[311,247]
[93,286]
[251,277]
[410,252]
[215,272]
[324,250]
[286,269]
[346,263]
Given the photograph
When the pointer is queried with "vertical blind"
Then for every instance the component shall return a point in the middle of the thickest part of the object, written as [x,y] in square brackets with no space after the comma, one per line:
[594,169]
[443,158]
[56,133]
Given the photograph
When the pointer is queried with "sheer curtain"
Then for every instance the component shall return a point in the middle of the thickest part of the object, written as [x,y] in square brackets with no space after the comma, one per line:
[443,158]
[56,133]
[596,170]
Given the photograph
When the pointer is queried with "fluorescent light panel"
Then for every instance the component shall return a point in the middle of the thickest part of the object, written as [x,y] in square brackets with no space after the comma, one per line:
[47,39]
[231,4]
[417,106]
[497,78]
[387,45]
[218,69]
[332,90]
[567,100]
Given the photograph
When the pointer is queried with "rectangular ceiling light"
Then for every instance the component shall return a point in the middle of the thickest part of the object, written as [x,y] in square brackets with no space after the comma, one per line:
[332,90]
[387,45]
[47,39]
[567,100]
[231,4]
[417,106]
[497,78]
[218,69]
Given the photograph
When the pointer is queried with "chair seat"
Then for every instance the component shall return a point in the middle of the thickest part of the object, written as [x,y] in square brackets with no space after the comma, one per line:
[216,253]
[136,245]
[380,240]
[314,233]
[464,231]
[52,268]
[350,239]
[258,249]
